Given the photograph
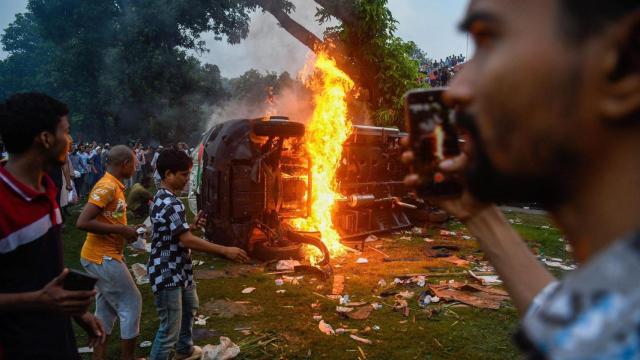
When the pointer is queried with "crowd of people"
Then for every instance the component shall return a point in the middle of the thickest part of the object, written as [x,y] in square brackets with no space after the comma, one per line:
[438,73]
[36,305]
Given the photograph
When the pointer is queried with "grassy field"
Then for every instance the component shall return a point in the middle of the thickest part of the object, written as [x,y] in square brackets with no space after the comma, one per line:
[284,328]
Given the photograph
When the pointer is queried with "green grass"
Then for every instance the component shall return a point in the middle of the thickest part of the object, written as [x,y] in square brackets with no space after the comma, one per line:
[287,319]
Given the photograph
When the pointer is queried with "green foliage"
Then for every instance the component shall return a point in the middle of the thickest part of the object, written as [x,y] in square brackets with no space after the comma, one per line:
[379,61]
[122,65]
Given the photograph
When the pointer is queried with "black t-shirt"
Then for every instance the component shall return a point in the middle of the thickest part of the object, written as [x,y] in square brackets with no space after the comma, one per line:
[30,257]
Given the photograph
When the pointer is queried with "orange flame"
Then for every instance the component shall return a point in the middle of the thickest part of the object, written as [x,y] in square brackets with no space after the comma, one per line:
[326,132]
[439,135]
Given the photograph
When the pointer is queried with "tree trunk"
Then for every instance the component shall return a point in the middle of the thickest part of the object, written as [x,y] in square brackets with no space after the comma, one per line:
[294,28]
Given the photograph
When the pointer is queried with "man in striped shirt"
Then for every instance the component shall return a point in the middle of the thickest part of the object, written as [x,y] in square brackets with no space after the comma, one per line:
[35,309]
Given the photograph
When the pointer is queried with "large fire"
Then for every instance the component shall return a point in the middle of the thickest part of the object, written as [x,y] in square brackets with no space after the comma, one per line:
[326,132]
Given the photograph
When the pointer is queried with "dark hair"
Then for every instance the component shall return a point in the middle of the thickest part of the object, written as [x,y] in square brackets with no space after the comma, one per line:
[23,116]
[584,18]
[173,160]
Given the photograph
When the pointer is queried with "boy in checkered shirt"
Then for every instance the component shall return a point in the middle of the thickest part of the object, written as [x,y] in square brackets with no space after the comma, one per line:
[170,269]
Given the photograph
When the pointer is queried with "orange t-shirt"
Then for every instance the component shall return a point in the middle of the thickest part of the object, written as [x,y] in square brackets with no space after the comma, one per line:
[107,194]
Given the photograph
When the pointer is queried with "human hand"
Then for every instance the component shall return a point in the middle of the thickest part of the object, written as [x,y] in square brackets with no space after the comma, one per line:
[201,221]
[129,233]
[54,297]
[236,254]
[464,207]
[94,328]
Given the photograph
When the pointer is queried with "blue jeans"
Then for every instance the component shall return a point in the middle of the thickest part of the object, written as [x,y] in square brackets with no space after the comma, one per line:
[118,296]
[176,310]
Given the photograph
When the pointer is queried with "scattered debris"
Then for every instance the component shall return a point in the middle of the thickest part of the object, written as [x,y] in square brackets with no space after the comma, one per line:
[382,283]
[361,313]
[85,350]
[402,306]
[416,230]
[317,317]
[281,291]
[326,328]
[406,294]
[371,238]
[201,320]
[293,280]
[362,261]
[470,294]
[197,262]
[486,279]
[140,273]
[456,260]
[338,285]
[343,309]
[421,281]
[448,233]
[279,282]
[405,238]
[428,240]
[426,299]
[378,251]
[557,263]
[146,344]
[359,339]
[376,306]
[284,265]
[466,237]
[248,290]
[344,299]
[345,331]
[226,350]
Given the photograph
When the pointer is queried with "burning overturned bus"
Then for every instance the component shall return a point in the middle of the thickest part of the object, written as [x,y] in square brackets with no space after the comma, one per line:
[254,180]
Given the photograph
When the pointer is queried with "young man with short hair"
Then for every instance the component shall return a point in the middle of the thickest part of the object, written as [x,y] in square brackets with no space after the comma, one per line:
[170,269]
[551,106]
[105,220]
[35,309]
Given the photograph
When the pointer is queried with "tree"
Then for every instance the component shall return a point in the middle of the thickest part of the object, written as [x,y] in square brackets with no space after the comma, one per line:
[123,65]
[365,47]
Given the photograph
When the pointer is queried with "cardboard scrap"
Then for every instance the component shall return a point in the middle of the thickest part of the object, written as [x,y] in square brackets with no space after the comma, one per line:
[361,313]
[471,294]
[456,261]
[283,265]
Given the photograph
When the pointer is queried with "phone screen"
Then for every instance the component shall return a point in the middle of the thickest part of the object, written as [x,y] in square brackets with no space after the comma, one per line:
[433,137]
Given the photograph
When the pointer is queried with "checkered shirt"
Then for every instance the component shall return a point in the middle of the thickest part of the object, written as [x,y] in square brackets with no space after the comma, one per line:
[169,263]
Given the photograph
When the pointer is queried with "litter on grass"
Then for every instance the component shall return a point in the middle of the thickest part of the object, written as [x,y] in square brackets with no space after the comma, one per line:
[146,344]
[359,339]
[284,265]
[326,328]
[140,273]
[226,350]
[248,290]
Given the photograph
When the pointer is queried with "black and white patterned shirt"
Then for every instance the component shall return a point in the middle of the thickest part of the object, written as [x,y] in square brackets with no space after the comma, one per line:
[169,263]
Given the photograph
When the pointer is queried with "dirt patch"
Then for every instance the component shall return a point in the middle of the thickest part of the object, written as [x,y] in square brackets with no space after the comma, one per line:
[228,309]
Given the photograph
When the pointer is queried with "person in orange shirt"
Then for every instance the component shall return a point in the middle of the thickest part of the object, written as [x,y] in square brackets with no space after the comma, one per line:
[105,220]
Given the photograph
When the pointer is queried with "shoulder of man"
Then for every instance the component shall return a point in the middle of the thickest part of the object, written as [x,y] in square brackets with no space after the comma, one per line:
[103,193]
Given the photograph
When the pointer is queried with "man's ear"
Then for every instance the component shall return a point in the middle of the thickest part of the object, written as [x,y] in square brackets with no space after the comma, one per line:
[621,95]
[46,139]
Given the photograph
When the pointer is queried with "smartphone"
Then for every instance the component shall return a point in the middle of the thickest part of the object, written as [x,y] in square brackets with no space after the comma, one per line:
[77,280]
[433,137]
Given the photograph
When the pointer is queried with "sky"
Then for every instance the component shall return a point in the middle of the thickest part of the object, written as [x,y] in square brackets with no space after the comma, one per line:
[432,24]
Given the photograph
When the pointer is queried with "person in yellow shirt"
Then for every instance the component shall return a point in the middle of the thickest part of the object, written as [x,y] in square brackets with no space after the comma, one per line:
[104,217]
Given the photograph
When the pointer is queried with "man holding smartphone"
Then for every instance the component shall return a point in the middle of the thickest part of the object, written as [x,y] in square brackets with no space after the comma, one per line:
[568,140]
[35,309]
[104,217]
